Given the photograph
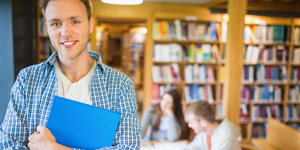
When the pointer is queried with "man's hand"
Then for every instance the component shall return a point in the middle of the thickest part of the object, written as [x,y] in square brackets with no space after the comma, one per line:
[41,139]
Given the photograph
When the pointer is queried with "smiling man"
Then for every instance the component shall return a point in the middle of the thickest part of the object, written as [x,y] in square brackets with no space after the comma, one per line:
[71,72]
[211,135]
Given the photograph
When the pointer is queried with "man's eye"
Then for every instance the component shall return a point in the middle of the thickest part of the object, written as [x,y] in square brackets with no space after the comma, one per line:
[55,24]
[75,22]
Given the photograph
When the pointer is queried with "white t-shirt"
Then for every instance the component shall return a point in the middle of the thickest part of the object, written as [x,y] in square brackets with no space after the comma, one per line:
[77,91]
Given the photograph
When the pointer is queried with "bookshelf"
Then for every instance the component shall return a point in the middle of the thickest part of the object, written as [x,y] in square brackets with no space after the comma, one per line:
[136,42]
[101,42]
[133,51]
[252,125]
[43,44]
[173,66]
[273,100]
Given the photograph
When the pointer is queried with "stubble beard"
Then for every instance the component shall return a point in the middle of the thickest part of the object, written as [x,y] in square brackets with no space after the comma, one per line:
[60,50]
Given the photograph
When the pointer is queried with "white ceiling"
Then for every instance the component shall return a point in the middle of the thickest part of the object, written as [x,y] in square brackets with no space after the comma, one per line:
[187,2]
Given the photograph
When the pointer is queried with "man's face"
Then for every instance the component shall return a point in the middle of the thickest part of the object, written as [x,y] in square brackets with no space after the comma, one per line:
[68,27]
[194,123]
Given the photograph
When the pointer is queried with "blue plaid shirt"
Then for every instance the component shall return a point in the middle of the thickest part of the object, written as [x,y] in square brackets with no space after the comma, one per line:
[32,94]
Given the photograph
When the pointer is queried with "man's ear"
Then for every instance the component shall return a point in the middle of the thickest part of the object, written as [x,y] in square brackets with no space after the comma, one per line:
[203,123]
[91,25]
[46,26]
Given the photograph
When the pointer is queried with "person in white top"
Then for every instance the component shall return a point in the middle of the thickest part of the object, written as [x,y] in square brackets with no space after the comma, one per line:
[211,135]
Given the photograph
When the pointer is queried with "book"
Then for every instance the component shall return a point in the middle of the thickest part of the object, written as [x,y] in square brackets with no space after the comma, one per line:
[84,129]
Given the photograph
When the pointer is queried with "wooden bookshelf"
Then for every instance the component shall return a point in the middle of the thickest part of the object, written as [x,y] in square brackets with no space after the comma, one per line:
[282,105]
[136,41]
[215,85]
[102,43]
[246,125]
[185,42]
[41,36]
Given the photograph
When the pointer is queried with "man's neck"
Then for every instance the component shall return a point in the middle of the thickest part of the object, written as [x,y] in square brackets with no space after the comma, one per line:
[77,68]
[211,128]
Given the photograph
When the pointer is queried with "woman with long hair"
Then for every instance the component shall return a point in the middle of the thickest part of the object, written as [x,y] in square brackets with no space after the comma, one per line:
[165,118]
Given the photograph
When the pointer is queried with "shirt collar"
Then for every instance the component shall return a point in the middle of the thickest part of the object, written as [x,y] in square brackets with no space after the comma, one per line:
[94,55]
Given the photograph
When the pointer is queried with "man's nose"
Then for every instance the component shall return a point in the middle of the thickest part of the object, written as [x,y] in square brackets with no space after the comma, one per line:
[66,30]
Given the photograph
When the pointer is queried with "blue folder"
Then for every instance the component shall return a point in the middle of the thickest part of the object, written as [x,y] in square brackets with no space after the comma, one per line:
[79,125]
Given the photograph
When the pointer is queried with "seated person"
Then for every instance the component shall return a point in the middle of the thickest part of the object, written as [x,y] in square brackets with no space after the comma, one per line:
[211,135]
[166,119]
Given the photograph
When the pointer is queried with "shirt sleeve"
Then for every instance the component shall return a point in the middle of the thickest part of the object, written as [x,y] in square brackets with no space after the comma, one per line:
[226,142]
[197,143]
[13,130]
[128,135]
[174,129]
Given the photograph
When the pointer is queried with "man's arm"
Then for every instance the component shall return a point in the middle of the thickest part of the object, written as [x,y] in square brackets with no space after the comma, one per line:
[226,142]
[198,143]
[13,130]
[44,139]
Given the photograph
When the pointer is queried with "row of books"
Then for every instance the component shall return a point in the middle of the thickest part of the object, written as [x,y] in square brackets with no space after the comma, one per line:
[267,34]
[293,113]
[137,47]
[134,56]
[125,41]
[99,35]
[195,93]
[46,48]
[295,126]
[196,73]
[43,30]
[294,93]
[244,115]
[203,53]
[166,73]
[270,54]
[180,30]
[295,74]
[263,112]
[296,35]
[263,74]
[259,131]
[132,65]
[296,56]
[168,52]
[210,53]
[159,90]
[266,93]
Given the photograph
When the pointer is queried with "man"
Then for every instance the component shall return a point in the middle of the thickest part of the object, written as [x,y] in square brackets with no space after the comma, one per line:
[72,72]
[211,135]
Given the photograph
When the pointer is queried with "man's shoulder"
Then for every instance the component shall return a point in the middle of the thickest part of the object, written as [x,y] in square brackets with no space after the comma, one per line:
[115,75]
[227,128]
[33,70]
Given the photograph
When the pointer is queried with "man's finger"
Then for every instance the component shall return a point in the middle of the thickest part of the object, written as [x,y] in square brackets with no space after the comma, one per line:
[31,145]
[31,137]
[40,128]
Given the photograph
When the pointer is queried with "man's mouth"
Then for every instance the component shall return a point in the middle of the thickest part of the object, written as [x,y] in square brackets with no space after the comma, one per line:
[69,44]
